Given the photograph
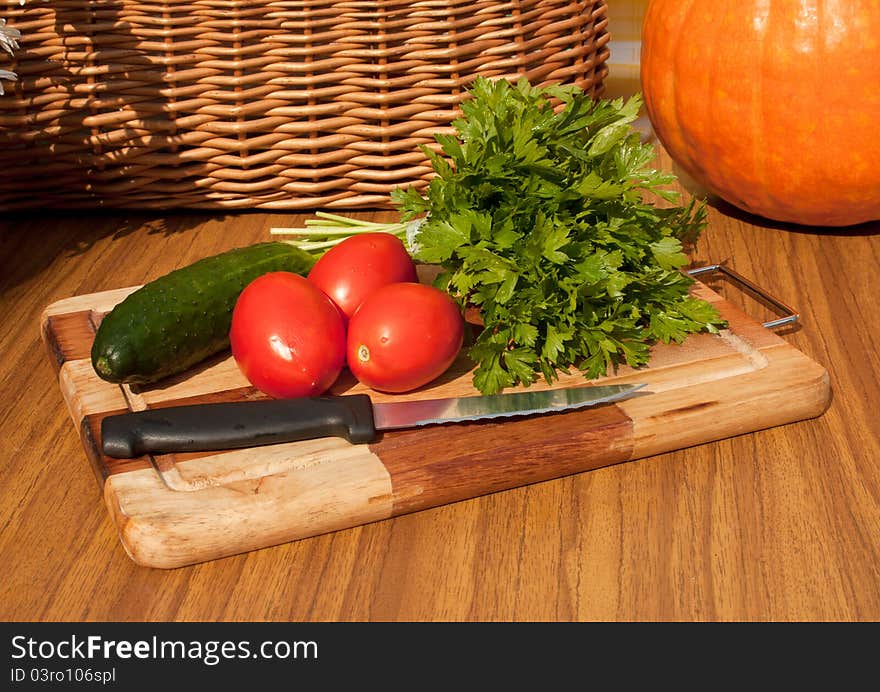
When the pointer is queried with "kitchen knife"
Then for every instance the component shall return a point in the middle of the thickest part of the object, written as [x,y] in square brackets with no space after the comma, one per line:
[354,417]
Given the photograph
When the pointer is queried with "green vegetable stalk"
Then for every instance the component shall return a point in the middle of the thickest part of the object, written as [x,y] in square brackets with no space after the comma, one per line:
[539,219]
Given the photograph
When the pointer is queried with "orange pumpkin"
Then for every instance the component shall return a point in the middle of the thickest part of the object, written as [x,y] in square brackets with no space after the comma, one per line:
[772,105]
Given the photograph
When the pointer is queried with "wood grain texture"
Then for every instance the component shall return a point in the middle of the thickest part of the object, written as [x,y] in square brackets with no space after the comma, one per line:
[165,527]
[780,524]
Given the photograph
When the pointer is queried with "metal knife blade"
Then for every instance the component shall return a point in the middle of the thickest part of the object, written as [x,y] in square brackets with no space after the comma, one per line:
[205,427]
[409,414]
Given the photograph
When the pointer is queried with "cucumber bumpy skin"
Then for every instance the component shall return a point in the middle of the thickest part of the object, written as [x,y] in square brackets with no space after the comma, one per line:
[184,317]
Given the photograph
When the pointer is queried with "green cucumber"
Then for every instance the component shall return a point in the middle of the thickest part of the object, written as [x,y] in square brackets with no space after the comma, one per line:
[183,317]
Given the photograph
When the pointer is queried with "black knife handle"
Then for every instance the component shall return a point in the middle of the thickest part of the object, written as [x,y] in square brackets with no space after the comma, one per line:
[203,427]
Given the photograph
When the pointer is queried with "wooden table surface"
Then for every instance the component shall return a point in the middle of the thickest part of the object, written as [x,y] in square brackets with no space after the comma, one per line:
[782,524]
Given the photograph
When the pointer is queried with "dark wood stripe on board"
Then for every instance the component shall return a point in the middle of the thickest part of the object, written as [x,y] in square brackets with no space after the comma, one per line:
[102,465]
[68,336]
[485,457]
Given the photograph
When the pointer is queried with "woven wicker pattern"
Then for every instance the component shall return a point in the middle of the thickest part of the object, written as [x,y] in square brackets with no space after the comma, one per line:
[296,104]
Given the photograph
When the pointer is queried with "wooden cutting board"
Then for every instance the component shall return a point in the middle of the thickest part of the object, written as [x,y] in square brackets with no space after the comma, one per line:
[179,509]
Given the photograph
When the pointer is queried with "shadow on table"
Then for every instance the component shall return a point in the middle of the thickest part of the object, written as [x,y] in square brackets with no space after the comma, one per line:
[30,241]
[863,229]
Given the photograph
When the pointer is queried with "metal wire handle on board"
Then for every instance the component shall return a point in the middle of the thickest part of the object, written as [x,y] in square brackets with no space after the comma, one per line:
[789,315]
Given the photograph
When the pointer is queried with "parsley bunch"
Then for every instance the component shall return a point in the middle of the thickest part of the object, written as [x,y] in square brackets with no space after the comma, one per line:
[538,218]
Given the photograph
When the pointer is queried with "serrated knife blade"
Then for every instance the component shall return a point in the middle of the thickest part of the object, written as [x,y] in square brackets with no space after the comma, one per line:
[409,414]
[354,417]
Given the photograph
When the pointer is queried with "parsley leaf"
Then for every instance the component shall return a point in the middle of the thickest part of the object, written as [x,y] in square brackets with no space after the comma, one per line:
[538,217]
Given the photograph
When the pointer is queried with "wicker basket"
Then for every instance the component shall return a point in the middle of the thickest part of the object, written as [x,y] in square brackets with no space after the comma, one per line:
[289,105]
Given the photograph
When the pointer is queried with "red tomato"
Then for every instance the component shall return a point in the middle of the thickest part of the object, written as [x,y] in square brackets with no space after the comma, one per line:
[287,336]
[360,264]
[404,336]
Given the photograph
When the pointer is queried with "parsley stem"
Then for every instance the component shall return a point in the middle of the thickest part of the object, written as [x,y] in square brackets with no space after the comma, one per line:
[328,230]
[316,230]
[309,247]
